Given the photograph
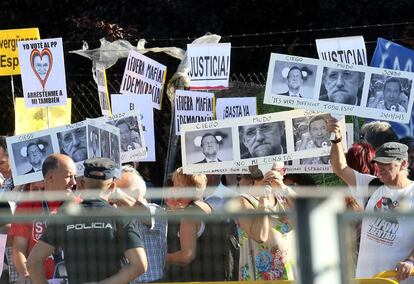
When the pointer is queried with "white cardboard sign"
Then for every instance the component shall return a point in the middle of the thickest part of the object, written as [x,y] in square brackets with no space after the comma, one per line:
[241,142]
[143,75]
[339,88]
[192,107]
[80,141]
[209,65]
[320,164]
[103,90]
[43,72]
[235,107]
[132,138]
[125,103]
[349,50]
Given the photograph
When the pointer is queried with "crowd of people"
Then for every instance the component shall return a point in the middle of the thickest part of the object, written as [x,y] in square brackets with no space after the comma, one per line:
[114,234]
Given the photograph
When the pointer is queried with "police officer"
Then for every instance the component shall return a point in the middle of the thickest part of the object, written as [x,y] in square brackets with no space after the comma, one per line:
[93,245]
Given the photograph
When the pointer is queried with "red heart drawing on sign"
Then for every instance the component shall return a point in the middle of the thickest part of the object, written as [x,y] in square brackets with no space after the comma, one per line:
[41,63]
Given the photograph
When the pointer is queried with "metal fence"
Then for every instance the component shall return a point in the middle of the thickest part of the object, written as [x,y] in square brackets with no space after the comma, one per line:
[85,104]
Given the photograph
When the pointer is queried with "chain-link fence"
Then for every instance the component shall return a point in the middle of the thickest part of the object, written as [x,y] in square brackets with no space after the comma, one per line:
[85,104]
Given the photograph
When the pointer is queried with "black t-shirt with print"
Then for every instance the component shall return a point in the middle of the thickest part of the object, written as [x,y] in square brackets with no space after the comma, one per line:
[93,246]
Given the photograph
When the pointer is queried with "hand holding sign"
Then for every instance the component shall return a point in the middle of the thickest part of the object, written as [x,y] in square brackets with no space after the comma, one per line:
[334,127]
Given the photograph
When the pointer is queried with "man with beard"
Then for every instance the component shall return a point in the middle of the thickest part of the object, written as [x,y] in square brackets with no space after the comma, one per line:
[342,86]
[73,143]
[262,140]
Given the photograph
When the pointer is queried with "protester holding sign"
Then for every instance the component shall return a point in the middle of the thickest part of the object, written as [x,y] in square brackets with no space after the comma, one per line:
[386,243]
[189,249]
[266,240]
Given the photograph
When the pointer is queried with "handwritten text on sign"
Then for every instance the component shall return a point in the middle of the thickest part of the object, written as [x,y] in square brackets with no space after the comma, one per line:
[9,61]
[235,107]
[192,107]
[209,66]
[43,72]
[143,75]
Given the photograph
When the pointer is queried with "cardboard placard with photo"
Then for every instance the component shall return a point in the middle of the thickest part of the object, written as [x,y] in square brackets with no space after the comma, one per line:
[339,88]
[221,145]
[79,141]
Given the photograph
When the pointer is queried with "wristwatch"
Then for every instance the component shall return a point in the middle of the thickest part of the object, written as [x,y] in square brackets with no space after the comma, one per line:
[336,141]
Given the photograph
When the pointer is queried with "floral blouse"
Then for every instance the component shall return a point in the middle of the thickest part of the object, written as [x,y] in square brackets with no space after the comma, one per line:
[265,261]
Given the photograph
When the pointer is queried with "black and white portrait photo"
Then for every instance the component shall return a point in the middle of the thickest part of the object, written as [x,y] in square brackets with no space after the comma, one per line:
[93,140]
[29,155]
[72,142]
[311,132]
[130,133]
[103,100]
[206,146]
[115,155]
[341,86]
[261,140]
[105,148]
[294,79]
[389,93]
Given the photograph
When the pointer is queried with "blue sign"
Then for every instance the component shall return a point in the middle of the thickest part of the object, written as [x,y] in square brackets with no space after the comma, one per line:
[391,55]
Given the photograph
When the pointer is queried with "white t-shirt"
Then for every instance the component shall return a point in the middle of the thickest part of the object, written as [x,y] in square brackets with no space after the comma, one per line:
[384,241]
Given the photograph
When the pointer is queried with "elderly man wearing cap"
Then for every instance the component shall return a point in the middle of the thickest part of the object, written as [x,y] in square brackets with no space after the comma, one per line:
[96,241]
[386,243]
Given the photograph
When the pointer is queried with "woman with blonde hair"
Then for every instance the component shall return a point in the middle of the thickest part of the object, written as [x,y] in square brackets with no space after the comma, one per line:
[190,242]
[266,240]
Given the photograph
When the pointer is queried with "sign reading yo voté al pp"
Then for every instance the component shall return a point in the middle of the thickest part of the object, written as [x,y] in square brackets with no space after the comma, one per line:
[43,72]
[9,60]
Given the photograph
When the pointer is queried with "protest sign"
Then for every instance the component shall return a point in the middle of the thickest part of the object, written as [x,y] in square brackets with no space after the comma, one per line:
[43,72]
[142,103]
[191,107]
[9,58]
[79,141]
[235,107]
[133,145]
[349,50]
[254,140]
[37,118]
[391,55]
[318,165]
[338,88]
[209,66]
[103,90]
[309,132]
[143,75]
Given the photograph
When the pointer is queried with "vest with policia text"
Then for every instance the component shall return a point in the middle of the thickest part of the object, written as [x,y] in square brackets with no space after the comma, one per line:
[93,246]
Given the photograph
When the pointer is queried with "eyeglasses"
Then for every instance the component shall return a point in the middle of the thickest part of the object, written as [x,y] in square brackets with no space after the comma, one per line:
[264,129]
[345,75]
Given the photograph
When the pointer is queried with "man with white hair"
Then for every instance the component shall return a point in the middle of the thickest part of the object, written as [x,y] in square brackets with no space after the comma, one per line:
[154,234]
